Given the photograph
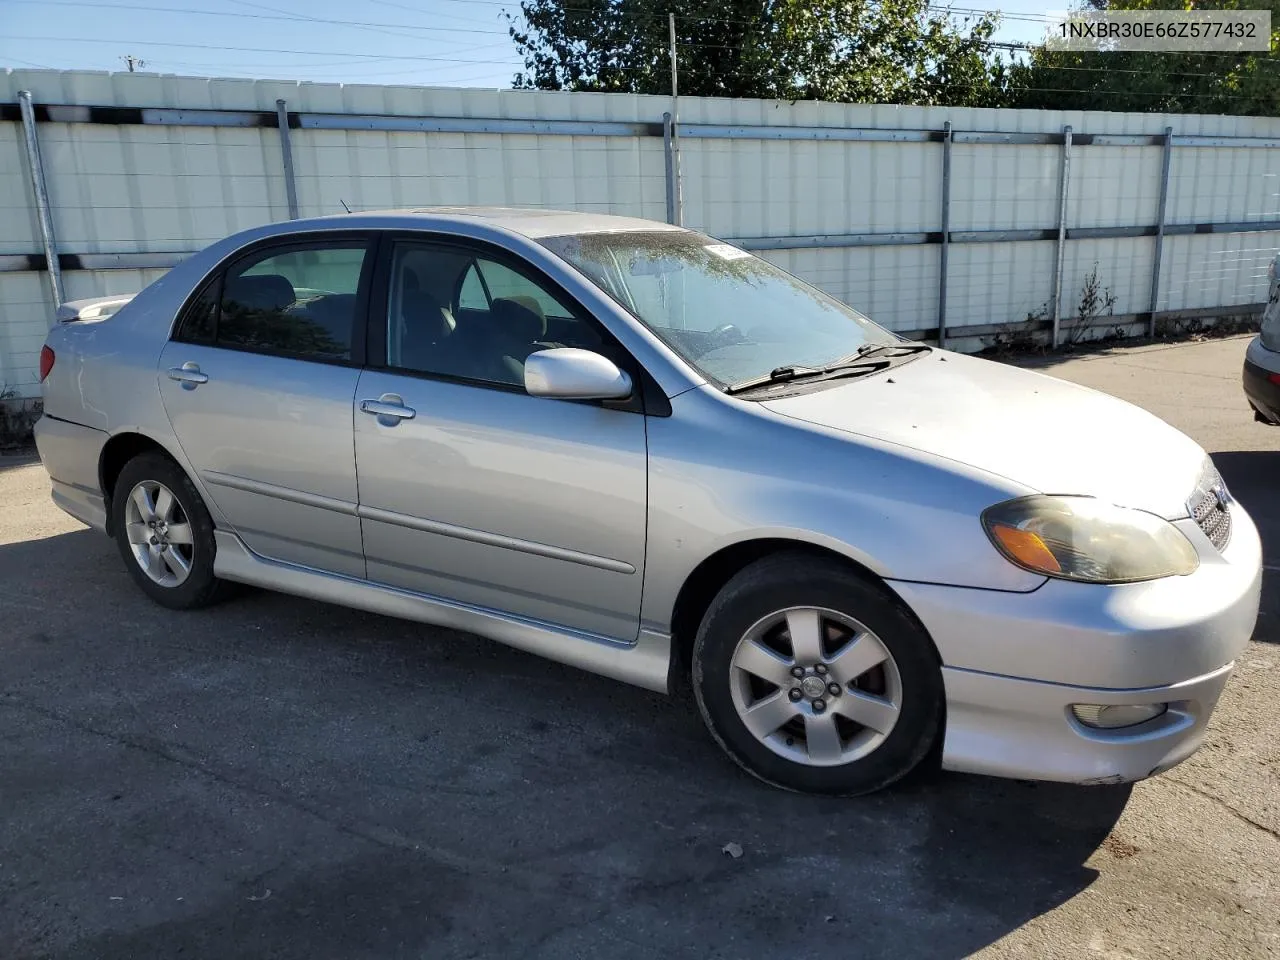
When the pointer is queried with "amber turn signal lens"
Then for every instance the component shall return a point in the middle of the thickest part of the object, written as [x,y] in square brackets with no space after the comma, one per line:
[1026,548]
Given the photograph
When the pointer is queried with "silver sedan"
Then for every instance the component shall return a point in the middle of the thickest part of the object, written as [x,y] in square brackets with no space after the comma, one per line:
[649,454]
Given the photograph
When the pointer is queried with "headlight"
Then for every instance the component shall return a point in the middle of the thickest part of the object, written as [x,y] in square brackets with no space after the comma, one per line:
[1080,538]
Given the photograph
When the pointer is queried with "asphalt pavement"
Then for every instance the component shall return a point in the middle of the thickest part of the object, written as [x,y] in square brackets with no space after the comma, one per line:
[280,778]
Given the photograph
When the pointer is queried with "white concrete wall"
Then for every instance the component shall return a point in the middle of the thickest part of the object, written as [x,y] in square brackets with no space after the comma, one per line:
[171,188]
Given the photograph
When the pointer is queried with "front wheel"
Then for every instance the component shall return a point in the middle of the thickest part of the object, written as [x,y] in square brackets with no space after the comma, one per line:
[814,680]
[165,534]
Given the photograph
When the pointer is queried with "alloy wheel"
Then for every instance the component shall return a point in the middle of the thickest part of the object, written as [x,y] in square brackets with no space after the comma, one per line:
[159,533]
[815,686]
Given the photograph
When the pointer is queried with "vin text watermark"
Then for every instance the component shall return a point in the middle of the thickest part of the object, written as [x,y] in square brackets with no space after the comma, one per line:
[1162,30]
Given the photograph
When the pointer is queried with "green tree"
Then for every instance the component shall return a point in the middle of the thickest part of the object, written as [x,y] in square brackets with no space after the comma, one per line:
[861,51]
[1246,83]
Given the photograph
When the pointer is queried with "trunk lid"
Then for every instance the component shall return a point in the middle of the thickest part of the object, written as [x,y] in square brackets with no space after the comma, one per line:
[92,309]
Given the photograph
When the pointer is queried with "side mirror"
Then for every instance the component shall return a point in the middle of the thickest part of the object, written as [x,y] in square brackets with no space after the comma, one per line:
[568,373]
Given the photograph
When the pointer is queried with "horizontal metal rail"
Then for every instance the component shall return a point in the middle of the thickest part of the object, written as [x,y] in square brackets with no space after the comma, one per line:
[563,128]
[997,236]
[839,240]
[19,262]
[709,131]
[1246,310]
[201,117]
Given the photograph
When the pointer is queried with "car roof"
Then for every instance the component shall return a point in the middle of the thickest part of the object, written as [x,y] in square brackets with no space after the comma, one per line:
[529,222]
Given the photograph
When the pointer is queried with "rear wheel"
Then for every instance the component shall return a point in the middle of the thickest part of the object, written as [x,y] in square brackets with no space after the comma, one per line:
[815,680]
[164,533]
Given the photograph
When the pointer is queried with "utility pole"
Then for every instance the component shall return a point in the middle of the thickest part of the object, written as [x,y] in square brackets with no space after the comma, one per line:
[675,122]
[133,62]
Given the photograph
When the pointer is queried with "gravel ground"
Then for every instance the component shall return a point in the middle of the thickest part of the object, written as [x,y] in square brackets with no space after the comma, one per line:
[282,778]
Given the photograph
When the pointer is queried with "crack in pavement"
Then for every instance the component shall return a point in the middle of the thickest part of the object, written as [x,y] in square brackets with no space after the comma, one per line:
[1242,817]
[1181,373]
[384,837]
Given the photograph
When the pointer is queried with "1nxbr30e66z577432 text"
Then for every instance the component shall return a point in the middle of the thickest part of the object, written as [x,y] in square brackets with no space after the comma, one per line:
[1162,30]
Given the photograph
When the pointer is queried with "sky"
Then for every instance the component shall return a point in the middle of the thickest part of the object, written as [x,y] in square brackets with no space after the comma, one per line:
[415,42]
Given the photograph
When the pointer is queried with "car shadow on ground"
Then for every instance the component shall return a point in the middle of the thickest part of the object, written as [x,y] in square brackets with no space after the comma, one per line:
[21,457]
[1253,477]
[277,777]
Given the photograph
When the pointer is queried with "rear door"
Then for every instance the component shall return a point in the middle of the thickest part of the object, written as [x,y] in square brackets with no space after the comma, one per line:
[472,490]
[259,382]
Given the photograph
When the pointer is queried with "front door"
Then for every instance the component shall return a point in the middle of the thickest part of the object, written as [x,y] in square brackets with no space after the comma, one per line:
[259,383]
[472,490]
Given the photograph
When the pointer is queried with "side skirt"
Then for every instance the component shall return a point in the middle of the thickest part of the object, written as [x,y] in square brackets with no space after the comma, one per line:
[644,663]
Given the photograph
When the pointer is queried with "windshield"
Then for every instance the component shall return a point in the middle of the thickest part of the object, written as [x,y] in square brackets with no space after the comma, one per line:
[730,314]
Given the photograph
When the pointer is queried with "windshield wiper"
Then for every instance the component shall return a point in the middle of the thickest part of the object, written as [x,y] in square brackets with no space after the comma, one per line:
[855,362]
[873,349]
[776,375]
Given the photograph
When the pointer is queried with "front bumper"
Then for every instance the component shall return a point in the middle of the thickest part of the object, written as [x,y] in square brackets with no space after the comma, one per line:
[1014,663]
[1007,727]
[1260,365]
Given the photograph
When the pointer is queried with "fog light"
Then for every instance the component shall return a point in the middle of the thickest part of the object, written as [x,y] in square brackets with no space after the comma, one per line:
[1114,716]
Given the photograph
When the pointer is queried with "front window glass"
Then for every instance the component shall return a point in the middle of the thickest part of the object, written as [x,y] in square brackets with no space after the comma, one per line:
[730,314]
[454,315]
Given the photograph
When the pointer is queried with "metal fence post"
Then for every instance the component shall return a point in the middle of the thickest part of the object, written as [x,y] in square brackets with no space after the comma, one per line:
[670,165]
[1159,247]
[41,192]
[675,122]
[1063,184]
[946,235]
[286,154]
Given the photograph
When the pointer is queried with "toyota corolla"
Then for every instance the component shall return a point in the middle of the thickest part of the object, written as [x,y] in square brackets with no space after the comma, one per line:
[649,454]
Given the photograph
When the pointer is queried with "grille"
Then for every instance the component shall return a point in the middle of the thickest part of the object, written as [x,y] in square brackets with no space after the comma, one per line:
[1213,517]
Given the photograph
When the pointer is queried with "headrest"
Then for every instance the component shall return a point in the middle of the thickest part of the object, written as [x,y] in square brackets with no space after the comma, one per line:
[514,319]
[334,313]
[424,316]
[266,291]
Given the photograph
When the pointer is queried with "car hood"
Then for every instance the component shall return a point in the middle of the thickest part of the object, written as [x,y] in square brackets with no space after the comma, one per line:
[1040,432]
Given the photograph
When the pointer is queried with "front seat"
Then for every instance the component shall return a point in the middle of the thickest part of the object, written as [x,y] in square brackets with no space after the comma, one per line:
[516,325]
[428,324]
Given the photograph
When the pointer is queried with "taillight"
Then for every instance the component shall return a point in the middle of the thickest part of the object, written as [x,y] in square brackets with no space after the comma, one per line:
[46,362]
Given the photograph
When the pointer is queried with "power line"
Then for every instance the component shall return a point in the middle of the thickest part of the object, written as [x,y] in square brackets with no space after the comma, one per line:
[276,15]
[942,84]
[480,61]
[1010,46]
[28,63]
[277,71]
[301,17]
[434,13]
[211,46]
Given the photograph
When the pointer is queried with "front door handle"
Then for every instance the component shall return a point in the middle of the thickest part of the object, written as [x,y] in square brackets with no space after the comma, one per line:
[188,375]
[388,405]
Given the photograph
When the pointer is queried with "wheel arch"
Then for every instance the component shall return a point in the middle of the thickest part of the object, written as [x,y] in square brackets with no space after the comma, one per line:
[707,579]
[119,449]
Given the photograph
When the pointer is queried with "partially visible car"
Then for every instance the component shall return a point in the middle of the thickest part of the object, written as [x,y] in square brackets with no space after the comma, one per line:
[1262,359]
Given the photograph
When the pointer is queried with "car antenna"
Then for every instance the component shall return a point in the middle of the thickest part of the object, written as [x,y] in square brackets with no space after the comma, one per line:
[344,205]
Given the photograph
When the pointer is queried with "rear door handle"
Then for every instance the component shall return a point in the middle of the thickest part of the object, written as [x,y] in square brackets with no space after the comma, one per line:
[387,406]
[188,375]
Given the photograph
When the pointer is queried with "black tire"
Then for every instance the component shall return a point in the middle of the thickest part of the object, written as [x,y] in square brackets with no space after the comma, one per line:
[793,579]
[201,587]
